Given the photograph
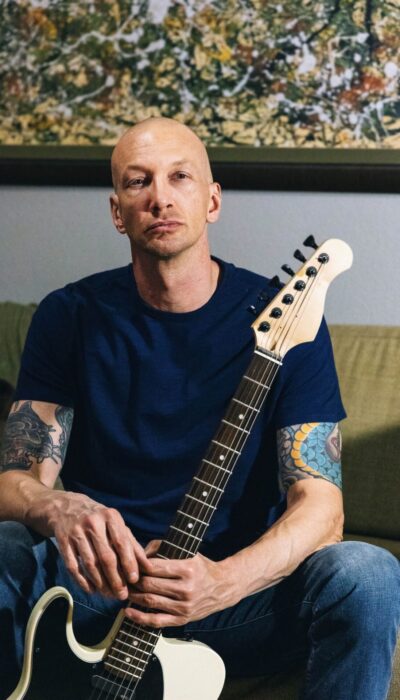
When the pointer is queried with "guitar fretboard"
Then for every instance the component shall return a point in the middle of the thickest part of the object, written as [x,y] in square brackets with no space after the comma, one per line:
[194,515]
[134,644]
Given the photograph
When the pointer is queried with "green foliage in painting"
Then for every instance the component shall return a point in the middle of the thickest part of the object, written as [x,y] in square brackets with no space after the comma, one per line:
[240,72]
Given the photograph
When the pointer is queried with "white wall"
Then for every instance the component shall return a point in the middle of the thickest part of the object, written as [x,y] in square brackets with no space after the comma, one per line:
[50,236]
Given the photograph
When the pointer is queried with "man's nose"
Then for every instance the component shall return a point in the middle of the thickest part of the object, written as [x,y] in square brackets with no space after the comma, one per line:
[160,195]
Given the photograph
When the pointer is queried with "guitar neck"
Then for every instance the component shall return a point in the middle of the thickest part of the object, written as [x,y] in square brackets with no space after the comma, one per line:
[193,517]
[132,647]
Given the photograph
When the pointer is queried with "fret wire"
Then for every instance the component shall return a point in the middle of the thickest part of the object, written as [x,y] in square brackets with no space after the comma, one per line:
[267,357]
[192,517]
[209,475]
[184,532]
[196,530]
[196,478]
[224,446]
[177,546]
[127,663]
[198,501]
[140,639]
[237,427]
[246,404]
[107,663]
[134,648]
[127,644]
[265,386]
[217,466]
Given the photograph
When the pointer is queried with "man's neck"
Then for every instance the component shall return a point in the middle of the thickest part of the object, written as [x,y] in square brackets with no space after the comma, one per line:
[180,284]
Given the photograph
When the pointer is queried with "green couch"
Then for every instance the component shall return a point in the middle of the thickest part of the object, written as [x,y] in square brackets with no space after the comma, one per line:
[368,364]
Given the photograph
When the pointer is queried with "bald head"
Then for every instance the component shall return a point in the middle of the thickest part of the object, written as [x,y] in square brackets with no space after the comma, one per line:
[149,135]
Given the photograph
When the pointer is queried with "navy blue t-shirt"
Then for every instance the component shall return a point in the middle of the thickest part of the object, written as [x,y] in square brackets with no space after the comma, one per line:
[149,389]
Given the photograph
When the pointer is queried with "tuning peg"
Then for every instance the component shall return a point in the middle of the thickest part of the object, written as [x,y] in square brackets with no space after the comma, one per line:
[288,270]
[310,242]
[299,255]
[252,309]
[275,282]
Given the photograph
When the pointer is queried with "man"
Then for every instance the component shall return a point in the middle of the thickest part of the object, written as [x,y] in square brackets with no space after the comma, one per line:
[131,370]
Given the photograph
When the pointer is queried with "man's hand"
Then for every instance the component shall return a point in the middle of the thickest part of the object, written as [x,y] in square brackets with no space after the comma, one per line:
[99,550]
[179,591]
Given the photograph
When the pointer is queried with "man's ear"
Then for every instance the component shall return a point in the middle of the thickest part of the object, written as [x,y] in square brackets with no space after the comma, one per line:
[214,207]
[116,213]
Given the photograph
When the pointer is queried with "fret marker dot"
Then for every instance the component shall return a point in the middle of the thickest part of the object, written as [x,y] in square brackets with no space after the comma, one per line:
[241,416]
[135,643]
[127,658]
[190,525]
[222,457]
[205,493]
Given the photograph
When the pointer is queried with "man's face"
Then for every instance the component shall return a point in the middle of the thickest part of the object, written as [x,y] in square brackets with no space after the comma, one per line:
[164,195]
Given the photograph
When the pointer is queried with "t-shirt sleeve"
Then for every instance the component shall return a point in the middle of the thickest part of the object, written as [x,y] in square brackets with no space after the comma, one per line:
[309,387]
[45,372]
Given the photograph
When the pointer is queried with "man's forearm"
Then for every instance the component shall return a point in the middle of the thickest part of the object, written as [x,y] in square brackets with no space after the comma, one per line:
[26,500]
[314,519]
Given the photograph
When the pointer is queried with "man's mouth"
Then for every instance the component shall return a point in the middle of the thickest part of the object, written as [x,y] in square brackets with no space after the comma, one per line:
[164,225]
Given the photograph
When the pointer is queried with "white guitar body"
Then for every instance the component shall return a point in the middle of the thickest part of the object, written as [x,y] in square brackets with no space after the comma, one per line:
[190,669]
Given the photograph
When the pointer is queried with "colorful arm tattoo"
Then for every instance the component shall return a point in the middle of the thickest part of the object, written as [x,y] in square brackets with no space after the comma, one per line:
[27,438]
[309,450]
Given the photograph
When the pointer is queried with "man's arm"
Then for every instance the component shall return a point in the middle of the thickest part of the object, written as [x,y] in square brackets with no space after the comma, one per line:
[309,462]
[99,551]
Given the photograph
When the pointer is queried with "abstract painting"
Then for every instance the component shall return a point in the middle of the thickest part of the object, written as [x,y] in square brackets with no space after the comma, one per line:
[310,74]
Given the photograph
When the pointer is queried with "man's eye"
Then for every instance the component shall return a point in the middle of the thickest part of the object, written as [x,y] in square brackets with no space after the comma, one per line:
[180,175]
[136,182]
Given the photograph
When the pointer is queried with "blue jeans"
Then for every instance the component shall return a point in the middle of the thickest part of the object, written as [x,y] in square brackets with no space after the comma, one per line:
[339,612]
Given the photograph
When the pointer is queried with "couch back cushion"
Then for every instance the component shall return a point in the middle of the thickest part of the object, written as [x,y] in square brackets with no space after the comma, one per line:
[368,365]
[14,323]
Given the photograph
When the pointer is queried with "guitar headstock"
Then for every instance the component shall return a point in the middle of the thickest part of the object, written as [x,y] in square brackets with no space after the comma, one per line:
[295,314]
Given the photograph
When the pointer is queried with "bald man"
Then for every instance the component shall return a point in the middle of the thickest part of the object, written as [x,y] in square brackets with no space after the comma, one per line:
[124,379]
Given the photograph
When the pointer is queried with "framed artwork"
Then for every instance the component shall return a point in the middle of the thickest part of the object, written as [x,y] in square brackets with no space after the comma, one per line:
[286,95]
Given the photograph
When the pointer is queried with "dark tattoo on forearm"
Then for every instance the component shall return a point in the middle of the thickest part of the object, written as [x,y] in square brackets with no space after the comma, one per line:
[64,418]
[27,438]
[309,450]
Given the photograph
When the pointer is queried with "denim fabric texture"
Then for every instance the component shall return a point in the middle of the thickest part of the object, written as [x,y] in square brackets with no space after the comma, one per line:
[338,613]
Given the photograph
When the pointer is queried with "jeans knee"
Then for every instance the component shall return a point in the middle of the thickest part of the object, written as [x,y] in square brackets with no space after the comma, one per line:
[16,550]
[366,579]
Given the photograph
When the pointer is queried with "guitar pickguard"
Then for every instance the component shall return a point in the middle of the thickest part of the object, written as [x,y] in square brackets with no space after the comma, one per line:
[59,668]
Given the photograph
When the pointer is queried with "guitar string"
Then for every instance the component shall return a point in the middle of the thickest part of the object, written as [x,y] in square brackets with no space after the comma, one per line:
[251,419]
[181,554]
[236,444]
[303,300]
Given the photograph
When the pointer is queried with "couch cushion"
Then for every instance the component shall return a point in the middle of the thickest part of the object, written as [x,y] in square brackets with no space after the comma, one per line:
[368,364]
[392,546]
[14,323]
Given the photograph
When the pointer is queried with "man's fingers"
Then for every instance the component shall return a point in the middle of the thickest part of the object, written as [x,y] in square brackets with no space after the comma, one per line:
[108,562]
[162,586]
[129,551]
[72,564]
[152,548]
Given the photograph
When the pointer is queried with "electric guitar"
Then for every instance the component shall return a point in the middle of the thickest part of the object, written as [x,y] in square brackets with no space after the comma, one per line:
[135,662]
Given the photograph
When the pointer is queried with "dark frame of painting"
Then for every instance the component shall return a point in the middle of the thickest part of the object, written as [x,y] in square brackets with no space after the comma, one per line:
[237,168]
